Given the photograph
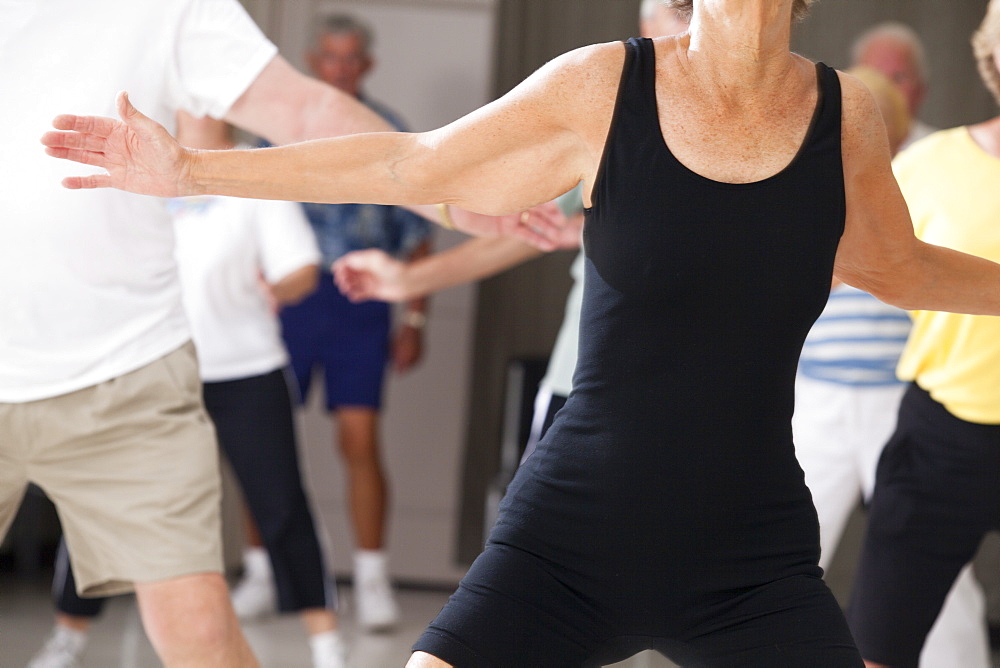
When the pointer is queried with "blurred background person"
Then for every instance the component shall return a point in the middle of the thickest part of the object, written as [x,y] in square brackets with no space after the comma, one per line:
[658,20]
[896,50]
[937,487]
[352,344]
[846,399]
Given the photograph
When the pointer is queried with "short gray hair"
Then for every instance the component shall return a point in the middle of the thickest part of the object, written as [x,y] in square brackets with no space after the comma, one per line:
[898,32]
[345,24]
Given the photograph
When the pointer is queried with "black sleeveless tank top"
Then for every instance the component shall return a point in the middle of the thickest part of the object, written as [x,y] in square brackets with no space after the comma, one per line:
[699,293]
[671,466]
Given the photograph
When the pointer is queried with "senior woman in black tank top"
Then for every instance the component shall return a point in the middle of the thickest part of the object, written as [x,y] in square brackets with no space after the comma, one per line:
[727,179]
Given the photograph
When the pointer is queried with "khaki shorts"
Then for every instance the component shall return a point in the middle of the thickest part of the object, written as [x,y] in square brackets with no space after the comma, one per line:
[132,467]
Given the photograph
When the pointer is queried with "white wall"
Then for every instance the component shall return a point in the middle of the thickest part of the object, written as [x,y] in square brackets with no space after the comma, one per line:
[434,59]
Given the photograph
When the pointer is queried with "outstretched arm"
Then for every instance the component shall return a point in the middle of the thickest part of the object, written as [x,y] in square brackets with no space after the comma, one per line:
[531,145]
[285,106]
[372,274]
[878,252]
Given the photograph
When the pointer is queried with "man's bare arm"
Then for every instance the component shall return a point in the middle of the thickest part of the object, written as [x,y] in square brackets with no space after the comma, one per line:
[285,106]
[296,286]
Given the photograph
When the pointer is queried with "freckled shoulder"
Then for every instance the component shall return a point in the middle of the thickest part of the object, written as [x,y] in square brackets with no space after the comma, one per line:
[583,85]
[863,129]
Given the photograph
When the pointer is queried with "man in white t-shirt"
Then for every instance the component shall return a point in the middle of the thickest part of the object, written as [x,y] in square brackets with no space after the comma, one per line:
[100,403]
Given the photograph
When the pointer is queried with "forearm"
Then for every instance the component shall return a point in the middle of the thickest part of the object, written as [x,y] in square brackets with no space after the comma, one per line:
[470,261]
[938,279]
[296,286]
[357,168]
[418,304]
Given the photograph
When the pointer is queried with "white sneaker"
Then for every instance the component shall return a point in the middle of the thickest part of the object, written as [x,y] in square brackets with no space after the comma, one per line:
[373,596]
[328,650]
[62,649]
[254,597]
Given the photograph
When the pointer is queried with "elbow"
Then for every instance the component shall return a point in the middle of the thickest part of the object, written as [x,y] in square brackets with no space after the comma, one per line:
[899,286]
[416,176]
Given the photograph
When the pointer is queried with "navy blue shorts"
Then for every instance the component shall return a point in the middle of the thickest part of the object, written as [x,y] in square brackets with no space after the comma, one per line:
[348,342]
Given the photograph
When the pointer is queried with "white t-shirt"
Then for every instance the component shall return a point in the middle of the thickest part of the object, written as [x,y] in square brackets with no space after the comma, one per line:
[88,282]
[224,246]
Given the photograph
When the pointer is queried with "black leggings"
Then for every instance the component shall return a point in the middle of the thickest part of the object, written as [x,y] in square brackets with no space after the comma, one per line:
[255,425]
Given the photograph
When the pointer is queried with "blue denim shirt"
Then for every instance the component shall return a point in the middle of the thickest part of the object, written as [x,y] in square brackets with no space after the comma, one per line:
[342,228]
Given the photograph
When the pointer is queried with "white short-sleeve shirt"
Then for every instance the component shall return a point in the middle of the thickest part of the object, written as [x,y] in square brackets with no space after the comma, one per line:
[88,282]
[225,245]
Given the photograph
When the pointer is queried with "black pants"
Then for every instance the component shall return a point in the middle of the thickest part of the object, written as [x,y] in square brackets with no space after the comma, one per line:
[255,425]
[937,492]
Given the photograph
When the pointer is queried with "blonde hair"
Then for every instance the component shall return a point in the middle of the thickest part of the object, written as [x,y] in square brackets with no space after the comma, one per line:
[685,7]
[891,102]
[984,43]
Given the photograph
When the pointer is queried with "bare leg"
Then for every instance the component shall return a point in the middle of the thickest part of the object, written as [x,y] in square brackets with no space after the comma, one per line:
[81,624]
[869,664]
[250,532]
[425,660]
[358,435]
[190,622]
[318,620]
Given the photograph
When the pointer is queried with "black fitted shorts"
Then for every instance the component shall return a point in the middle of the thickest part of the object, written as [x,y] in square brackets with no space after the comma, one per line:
[513,611]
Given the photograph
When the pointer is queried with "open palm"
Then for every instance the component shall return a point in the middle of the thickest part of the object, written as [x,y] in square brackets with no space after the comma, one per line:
[137,153]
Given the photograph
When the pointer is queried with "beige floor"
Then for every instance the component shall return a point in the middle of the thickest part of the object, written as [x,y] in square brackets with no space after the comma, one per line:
[118,641]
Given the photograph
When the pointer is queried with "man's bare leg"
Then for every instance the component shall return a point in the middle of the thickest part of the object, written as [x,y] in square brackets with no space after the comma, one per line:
[358,440]
[190,622]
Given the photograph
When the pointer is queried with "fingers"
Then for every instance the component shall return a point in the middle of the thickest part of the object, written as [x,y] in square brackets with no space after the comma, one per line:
[94,125]
[532,236]
[124,106]
[541,226]
[128,113]
[85,157]
[550,210]
[350,282]
[87,182]
[74,140]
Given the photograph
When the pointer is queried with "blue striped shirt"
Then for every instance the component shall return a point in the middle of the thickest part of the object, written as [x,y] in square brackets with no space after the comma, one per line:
[857,340]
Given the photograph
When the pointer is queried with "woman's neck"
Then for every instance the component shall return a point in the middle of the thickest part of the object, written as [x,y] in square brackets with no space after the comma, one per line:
[741,36]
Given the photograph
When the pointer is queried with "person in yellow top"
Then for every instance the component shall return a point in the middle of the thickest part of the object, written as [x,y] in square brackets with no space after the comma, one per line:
[937,489]
[950,184]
